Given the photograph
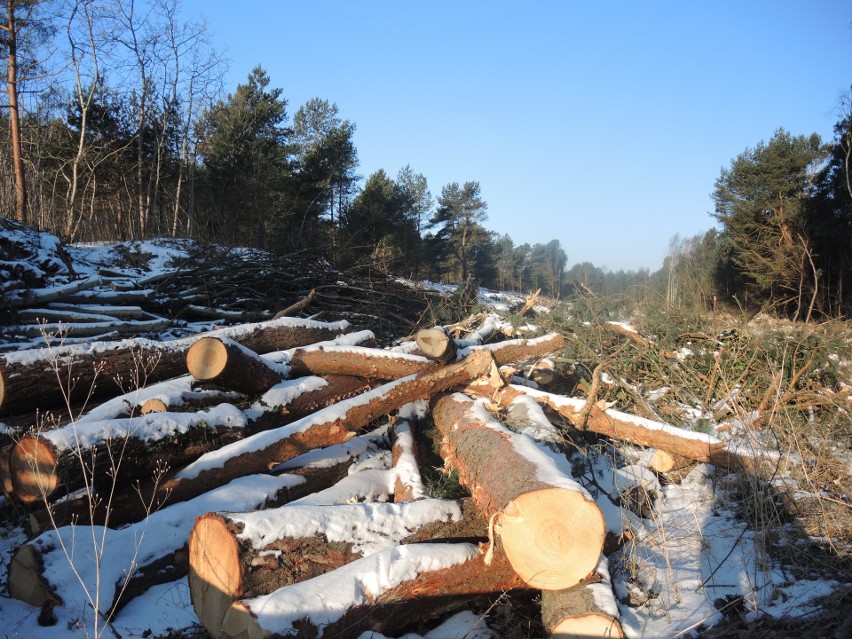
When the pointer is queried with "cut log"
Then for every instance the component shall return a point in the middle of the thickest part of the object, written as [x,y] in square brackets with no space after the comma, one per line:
[408,484]
[5,471]
[224,362]
[41,378]
[521,350]
[41,571]
[586,611]
[551,529]
[48,465]
[130,504]
[236,556]
[621,426]
[304,396]
[358,361]
[298,306]
[328,426]
[436,343]
[408,585]
[665,462]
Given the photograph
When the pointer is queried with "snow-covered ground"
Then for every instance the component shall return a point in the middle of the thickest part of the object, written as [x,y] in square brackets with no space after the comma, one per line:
[683,558]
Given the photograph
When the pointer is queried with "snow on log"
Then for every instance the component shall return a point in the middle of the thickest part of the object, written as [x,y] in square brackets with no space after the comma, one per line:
[392,590]
[236,556]
[359,361]
[295,399]
[100,453]
[408,484]
[134,558]
[228,364]
[436,343]
[549,526]
[318,471]
[38,378]
[622,426]
[328,426]
[587,610]
[520,350]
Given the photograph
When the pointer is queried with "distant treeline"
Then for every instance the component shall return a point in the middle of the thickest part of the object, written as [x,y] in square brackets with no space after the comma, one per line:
[125,132]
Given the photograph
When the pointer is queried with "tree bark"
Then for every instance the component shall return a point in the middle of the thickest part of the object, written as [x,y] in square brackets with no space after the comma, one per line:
[12,28]
[521,350]
[115,452]
[401,607]
[235,556]
[329,426]
[47,375]
[160,543]
[358,361]
[546,551]
[576,613]
[337,388]
[625,427]
[225,363]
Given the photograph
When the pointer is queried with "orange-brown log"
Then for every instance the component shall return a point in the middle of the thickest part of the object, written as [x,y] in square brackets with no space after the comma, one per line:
[5,471]
[550,528]
[225,363]
[336,389]
[41,470]
[624,427]
[328,426]
[574,614]
[358,361]
[405,607]
[225,565]
[664,462]
[112,367]
[435,343]
[521,350]
[408,484]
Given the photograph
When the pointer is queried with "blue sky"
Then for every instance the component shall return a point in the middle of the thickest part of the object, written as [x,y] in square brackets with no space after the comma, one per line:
[601,124]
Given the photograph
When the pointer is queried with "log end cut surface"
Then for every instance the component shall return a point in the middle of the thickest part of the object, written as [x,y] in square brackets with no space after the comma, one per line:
[153,405]
[239,623]
[32,466]
[25,582]
[215,573]
[206,358]
[587,626]
[552,537]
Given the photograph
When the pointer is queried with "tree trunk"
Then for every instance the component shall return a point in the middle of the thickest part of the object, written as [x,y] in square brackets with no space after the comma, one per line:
[96,455]
[436,343]
[11,28]
[330,390]
[586,611]
[625,427]
[448,577]
[546,551]
[521,350]
[235,556]
[160,544]
[329,426]
[225,363]
[42,378]
[360,361]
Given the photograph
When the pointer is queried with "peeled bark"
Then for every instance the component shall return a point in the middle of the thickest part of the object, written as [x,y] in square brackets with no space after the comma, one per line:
[548,551]
[398,607]
[223,362]
[44,378]
[328,426]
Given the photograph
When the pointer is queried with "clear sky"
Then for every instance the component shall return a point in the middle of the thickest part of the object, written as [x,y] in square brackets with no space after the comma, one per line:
[601,124]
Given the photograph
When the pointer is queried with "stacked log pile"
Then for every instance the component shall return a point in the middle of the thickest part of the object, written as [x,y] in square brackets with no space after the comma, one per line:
[266,458]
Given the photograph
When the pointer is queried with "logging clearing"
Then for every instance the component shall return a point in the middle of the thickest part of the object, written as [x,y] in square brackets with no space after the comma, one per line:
[259,468]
